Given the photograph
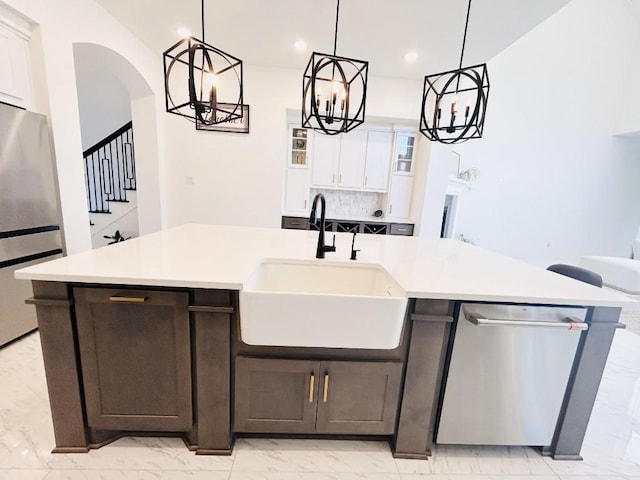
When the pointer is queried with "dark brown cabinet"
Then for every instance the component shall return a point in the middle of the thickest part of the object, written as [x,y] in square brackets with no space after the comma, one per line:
[295,223]
[135,358]
[275,396]
[304,396]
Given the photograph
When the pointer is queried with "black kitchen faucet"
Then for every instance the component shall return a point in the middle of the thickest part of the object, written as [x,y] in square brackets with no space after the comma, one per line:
[322,248]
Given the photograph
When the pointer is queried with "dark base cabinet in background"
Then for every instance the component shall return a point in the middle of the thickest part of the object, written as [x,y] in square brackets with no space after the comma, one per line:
[350,226]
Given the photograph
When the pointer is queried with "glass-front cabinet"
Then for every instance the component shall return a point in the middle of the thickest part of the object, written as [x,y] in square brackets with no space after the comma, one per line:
[404,153]
[299,142]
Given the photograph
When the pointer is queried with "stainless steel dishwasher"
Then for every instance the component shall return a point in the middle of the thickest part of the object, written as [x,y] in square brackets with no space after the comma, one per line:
[509,369]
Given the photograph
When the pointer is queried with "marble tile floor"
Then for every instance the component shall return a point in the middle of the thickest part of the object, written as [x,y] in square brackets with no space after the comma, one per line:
[611,449]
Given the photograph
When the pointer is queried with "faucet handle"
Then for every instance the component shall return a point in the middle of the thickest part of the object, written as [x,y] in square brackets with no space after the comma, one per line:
[354,252]
[332,247]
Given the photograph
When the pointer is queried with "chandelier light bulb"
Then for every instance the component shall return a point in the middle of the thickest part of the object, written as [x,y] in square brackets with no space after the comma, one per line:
[184,32]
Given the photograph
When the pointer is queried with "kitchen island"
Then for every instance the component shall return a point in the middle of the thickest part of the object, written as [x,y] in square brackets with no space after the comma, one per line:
[145,336]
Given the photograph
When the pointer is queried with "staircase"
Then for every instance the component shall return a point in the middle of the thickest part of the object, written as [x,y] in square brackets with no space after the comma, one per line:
[110,175]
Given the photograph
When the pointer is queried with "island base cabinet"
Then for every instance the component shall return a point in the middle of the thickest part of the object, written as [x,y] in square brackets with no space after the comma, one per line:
[358,397]
[135,357]
[275,396]
[306,397]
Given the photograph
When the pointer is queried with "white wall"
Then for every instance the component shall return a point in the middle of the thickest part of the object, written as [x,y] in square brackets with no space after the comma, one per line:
[104,105]
[238,178]
[629,112]
[554,183]
[58,25]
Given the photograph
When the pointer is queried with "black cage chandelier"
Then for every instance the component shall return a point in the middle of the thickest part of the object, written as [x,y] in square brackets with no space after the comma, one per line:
[454,103]
[334,91]
[201,82]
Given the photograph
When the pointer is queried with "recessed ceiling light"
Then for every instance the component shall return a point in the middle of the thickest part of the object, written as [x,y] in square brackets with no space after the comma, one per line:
[300,45]
[184,32]
[411,57]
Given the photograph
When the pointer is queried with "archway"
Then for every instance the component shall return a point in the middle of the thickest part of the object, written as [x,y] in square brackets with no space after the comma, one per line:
[122,177]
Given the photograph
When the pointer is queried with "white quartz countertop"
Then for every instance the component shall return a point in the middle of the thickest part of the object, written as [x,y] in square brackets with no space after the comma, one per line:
[217,256]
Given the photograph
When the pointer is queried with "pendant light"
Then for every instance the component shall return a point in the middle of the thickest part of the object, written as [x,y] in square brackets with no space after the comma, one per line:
[454,103]
[202,83]
[334,91]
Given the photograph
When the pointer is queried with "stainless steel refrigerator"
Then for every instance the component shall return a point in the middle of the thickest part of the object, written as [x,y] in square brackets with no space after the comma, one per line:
[29,213]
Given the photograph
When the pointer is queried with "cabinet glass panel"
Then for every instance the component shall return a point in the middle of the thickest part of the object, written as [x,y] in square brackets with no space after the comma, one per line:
[299,147]
[405,146]
[298,158]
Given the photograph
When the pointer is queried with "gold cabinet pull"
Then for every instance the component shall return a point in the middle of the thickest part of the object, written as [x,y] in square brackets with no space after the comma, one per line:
[312,382]
[117,298]
[325,392]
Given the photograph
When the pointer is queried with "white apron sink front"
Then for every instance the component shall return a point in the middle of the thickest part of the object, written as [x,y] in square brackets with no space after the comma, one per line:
[319,303]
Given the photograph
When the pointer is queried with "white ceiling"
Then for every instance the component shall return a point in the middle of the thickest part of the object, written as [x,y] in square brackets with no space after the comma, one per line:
[262,32]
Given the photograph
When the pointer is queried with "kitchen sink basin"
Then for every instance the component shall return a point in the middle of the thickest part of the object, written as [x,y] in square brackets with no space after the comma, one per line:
[318,303]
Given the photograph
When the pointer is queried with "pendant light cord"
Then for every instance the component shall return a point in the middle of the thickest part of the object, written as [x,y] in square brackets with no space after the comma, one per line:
[335,38]
[464,38]
[202,20]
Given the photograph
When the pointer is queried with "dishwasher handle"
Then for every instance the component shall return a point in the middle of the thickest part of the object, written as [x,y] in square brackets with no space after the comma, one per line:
[567,324]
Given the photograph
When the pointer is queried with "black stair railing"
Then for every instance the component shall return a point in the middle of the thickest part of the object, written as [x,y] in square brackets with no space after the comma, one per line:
[110,170]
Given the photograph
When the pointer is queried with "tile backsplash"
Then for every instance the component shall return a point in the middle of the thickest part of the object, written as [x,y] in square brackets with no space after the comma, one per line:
[351,204]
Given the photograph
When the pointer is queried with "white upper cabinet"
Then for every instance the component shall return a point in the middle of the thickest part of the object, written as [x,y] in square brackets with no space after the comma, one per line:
[358,160]
[378,157]
[326,152]
[353,150]
[15,76]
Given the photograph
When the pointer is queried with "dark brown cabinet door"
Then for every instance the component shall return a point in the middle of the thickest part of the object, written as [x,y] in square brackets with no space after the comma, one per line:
[359,398]
[135,357]
[275,396]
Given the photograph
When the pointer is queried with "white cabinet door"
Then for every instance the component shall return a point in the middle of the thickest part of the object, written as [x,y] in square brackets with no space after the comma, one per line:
[376,173]
[324,164]
[400,196]
[15,80]
[353,151]
[296,193]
